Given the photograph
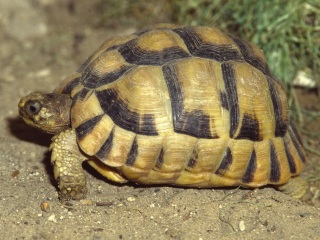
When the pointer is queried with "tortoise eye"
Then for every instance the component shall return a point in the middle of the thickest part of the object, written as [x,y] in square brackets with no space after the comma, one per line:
[33,107]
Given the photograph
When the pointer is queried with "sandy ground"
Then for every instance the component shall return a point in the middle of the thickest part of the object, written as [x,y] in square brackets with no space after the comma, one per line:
[28,200]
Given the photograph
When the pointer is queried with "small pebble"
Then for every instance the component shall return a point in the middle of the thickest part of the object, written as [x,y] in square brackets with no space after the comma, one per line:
[87,202]
[15,173]
[43,73]
[52,218]
[131,199]
[242,227]
[45,206]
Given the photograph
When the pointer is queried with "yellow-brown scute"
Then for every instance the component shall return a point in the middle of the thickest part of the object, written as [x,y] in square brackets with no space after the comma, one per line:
[142,90]
[109,61]
[159,40]
[200,91]
[214,35]
[85,109]
[92,141]
[255,100]
[188,106]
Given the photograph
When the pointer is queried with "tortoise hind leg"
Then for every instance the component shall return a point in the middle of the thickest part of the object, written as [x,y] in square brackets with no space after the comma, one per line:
[297,187]
[67,160]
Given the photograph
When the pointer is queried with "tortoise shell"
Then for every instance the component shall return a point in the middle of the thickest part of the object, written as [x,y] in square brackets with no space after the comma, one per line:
[188,106]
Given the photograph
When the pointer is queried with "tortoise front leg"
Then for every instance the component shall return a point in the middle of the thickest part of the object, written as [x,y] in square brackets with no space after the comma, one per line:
[68,172]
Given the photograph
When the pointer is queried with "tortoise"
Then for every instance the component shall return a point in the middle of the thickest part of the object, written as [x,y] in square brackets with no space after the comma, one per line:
[188,106]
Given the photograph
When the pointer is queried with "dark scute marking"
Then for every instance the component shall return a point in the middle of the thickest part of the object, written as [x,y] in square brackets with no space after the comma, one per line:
[75,99]
[159,160]
[71,85]
[92,81]
[281,125]
[83,93]
[224,100]
[249,128]
[251,168]
[193,159]
[232,96]
[133,54]
[291,163]
[219,53]
[147,125]
[106,147]
[132,156]
[85,128]
[249,55]
[190,38]
[297,145]
[79,96]
[208,50]
[194,123]
[274,164]
[225,163]
[296,133]
[175,91]
[118,111]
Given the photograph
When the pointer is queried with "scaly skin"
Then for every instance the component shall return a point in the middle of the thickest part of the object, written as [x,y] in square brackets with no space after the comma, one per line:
[296,187]
[67,160]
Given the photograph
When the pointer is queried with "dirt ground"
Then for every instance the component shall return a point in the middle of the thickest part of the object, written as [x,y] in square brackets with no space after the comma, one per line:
[62,36]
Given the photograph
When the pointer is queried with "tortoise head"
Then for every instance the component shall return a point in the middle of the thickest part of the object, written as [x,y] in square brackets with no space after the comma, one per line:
[47,112]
